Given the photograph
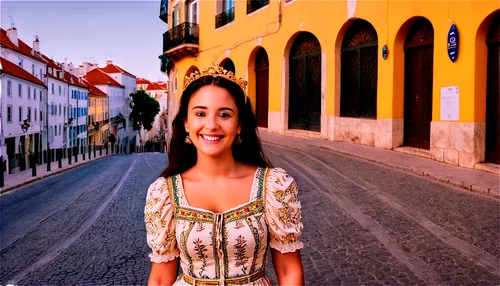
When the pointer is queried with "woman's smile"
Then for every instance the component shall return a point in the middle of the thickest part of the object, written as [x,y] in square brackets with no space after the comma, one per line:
[211,139]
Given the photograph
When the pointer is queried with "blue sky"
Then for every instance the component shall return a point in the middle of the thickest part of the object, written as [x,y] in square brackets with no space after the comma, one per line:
[128,32]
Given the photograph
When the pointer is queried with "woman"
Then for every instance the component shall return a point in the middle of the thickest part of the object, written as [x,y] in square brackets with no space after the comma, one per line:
[220,204]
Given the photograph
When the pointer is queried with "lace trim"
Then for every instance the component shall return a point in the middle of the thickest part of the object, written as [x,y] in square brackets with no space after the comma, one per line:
[159,258]
[285,248]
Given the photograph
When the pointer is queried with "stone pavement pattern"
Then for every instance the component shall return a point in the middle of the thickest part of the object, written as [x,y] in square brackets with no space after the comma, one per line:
[474,180]
[364,224]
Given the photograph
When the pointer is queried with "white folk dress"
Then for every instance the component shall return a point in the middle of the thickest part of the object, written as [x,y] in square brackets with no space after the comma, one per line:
[222,246]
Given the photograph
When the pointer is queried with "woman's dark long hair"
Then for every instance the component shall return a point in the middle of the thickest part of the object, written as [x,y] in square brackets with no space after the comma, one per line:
[183,156]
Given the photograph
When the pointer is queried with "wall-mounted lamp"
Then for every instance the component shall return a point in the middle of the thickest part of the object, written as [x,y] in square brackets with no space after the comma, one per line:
[384,52]
[25,125]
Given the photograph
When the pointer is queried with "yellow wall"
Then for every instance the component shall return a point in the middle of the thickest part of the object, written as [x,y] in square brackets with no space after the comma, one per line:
[328,20]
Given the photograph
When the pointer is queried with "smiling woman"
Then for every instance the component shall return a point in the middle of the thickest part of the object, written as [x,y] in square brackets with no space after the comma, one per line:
[220,205]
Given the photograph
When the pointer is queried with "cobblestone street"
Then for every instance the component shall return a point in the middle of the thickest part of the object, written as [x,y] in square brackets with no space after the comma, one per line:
[364,224]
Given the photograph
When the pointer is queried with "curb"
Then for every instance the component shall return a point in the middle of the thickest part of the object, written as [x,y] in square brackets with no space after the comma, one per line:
[447,180]
[39,178]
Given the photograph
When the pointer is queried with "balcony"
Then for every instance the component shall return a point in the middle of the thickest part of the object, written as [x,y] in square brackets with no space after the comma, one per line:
[254,5]
[224,18]
[181,41]
[164,11]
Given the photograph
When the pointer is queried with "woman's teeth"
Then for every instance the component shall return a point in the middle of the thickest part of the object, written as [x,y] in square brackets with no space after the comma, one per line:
[211,138]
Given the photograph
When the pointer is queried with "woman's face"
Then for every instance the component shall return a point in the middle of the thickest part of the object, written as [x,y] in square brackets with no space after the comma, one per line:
[212,120]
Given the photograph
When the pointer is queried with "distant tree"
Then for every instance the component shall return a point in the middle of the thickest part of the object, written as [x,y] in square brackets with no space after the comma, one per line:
[144,110]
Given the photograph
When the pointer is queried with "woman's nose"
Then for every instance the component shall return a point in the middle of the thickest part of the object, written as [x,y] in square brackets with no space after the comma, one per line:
[211,123]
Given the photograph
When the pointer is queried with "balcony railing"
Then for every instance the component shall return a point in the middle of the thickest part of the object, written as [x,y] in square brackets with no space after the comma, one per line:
[185,33]
[224,18]
[254,5]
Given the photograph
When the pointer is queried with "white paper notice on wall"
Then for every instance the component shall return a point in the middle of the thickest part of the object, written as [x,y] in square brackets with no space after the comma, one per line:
[450,103]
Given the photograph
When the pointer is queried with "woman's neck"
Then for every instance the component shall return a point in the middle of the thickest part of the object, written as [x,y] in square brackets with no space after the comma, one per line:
[216,167]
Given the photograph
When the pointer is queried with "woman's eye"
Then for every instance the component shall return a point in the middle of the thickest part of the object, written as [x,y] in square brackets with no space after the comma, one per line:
[200,113]
[224,115]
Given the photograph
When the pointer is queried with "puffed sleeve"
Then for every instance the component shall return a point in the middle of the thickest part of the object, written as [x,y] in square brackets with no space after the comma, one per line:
[160,228]
[283,211]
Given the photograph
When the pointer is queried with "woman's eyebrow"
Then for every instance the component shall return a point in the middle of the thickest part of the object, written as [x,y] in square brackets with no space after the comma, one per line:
[200,107]
[226,108]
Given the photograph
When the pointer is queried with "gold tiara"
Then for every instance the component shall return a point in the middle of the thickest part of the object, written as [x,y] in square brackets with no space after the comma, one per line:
[215,71]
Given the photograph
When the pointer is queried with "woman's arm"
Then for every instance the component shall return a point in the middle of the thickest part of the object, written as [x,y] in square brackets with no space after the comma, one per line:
[288,267]
[164,273]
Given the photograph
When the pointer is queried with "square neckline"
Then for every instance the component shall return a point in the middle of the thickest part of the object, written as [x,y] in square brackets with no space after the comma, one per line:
[251,198]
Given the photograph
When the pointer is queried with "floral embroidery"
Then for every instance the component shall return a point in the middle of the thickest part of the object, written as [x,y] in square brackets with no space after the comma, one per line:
[200,249]
[200,227]
[240,255]
[239,224]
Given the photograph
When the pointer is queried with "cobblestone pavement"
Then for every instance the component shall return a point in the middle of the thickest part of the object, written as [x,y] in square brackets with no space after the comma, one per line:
[364,224]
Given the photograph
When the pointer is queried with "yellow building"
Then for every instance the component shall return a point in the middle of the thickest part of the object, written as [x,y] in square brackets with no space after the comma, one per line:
[97,116]
[377,73]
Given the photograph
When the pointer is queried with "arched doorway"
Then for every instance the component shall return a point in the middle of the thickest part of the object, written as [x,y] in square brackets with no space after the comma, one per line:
[419,58]
[305,84]
[228,65]
[359,65]
[262,87]
[493,94]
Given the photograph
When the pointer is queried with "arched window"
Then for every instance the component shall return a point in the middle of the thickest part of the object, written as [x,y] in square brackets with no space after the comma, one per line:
[359,64]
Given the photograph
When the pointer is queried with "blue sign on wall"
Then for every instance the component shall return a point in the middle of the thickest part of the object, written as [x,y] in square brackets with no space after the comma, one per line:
[453,43]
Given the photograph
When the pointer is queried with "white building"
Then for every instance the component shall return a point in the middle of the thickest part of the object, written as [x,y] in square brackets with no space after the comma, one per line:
[78,110]
[57,105]
[22,100]
[115,92]
[128,81]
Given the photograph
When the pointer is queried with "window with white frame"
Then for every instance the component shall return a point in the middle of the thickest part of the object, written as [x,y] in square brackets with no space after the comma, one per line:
[29,92]
[29,113]
[41,95]
[34,93]
[60,90]
[52,88]
[20,90]
[34,115]
[9,88]
[20,113]
[33,69]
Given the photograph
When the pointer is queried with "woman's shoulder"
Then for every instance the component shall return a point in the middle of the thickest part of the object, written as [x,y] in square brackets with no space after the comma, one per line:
[278,179]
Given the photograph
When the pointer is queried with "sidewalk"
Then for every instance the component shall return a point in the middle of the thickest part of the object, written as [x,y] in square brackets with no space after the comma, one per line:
[471,179]
[19,179]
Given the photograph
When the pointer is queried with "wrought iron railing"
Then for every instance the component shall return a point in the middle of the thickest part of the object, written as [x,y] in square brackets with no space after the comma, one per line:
[254,5]
[185,33]
[224,18]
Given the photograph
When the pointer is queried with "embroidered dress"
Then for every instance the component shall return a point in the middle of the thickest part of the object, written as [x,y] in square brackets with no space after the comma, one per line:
[230,247]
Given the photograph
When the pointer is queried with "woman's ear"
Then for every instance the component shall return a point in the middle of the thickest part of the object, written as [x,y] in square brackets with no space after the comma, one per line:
[186,125]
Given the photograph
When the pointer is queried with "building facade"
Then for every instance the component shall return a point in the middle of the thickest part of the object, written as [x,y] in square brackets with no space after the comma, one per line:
[383,74]
[22,100]
[128,81]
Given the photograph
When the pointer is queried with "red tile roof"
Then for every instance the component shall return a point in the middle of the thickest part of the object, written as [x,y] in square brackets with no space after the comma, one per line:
[17,71]
[111,68]
[73,80]
[93,90]
[98,77]
[162,84]
[51,63]
[22,47]
[141,80]
[153,86]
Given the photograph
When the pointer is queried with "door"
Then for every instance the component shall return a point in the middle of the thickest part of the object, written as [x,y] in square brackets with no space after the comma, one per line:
[419,53]
[262,79]
[304,110]
[11,153]
[493,94]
